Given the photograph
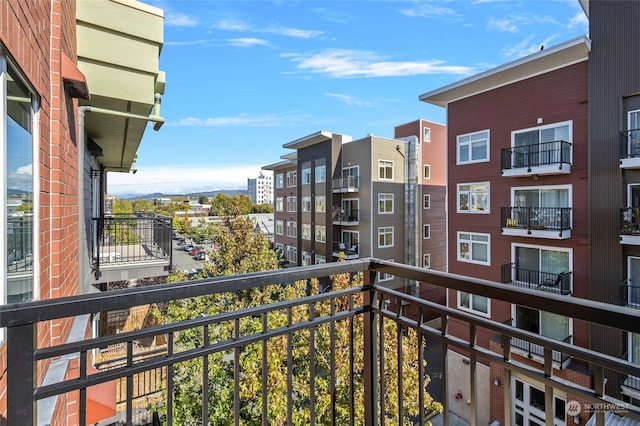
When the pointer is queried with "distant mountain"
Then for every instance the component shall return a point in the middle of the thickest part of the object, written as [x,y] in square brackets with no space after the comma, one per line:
[208,194]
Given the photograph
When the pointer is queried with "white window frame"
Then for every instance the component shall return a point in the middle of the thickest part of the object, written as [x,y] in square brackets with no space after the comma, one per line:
[426,231]
[633,299]
[383,199]
[305,177]
[469,143]
[305,259]
[426,134]
[514,247]
[306,204]
[292,254]
[383,166]
[383,232]
[427,172]
[280,248]
[540,311]
[426,260]
[471,308]
[279,180]
[426,201]
[471,244]
[306,231]
[292,203]
[279,227]
[320,233]
[471,196]
[292,229]
[568,123]
[384,276]
[321,173]
[321,203]
[292,179]
[320,259]
[630,356]
[279,204]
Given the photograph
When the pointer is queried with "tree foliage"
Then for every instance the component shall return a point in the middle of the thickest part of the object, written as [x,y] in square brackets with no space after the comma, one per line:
[241,250]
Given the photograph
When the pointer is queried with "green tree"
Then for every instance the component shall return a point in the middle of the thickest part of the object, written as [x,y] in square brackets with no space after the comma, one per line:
[121,206]
[203,199]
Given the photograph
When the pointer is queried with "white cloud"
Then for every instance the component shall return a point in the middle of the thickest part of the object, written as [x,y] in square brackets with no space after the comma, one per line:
[266,120]
[344,63]
[181,179]
[525,47]
[177,19]
[579,20]
[238,25]
[504,24]
[188,43]
[426,9]
[248,42]
[350,100]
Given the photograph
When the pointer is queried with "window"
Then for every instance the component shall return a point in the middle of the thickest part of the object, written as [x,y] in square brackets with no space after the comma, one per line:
[306,231]
[279,204]
[529,405]
[535,266]
[427,134]
[279,180]
[321,174]
[542,145]
[306,258]
[473,147]
[474,303]
[320,259]
[321,203]
[292,254]
[292,203]
[426,201]
[18,181]
[426,232]
[321,234]
[385,203]
[427,171]
[280,249]
[473,197]
[279,227]
[385,236]
[306,204]
[473,248]
[306,176]
[543,323]
[292,179]
[385,170]
[292,229]
[634,348]
[426,260]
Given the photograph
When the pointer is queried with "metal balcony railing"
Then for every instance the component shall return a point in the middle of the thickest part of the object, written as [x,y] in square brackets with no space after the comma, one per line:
[630,221]
[130,239]
[630,144]
[540,154]
[533,349]
[350,250]
[346,184]
[345,216]
[629,294]
[360,397]
[528,278]
[536,218]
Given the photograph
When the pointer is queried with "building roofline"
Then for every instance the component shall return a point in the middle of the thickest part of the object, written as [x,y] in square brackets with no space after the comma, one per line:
[278,165]
[546,60]
[312,139]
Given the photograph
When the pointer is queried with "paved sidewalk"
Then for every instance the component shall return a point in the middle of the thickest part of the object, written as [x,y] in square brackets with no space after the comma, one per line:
[453,420]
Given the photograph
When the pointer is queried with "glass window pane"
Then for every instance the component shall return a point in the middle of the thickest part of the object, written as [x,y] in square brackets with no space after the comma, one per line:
[480,252]
[479,151]
[481,303]
[464,152]
[554,326]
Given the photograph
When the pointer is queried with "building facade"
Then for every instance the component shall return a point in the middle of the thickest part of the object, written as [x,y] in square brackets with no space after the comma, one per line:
[260,189]
[57,104]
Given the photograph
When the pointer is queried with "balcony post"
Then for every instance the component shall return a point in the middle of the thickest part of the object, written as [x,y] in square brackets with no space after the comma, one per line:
[21,374]
[370,354]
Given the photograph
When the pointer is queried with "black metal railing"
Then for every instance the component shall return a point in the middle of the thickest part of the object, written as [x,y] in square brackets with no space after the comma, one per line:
[346,184]
[19,258]
[630,221]
[536,218]
[363,397]
[131,239]
[529,278]
[540,154]
[350,250]
[532,349]
[345,216]
[629,294]
[630,144]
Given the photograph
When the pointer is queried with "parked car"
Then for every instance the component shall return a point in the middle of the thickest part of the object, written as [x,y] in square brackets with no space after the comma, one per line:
[194,251]
[201,255]
[188,248]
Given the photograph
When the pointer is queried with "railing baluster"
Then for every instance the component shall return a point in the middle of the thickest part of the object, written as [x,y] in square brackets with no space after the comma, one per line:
[170,341]
[265,372]
[21,374]
[289,368]
[444,348]
[312,367]
[381,370]
[129,383]
[82,409]
[351,367]
[236,374]
[473,368]
[399,329]
[370,355]
[421,368]
[332,362]
[205,376]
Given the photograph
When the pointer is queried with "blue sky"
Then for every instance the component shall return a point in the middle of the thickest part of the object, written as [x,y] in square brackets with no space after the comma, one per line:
[245,77]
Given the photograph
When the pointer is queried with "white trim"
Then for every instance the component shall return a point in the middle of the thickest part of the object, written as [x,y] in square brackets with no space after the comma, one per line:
[470,260]
[393,204]
[470,161]
[392,170]
[470,308]
[469,210]
[392,236]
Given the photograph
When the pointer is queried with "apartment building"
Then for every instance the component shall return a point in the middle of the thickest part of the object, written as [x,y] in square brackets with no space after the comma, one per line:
[337,197]
[73,111]
[260,189]
[541,157]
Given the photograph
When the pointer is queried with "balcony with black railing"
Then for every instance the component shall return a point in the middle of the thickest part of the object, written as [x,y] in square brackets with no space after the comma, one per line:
[531,350]
[139,243]
[630,225]
[345,249]
[536,222]
[545,158]
[559,283]
[629,294]
[346,184]
[321,357]
[346,217]
[630,149]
